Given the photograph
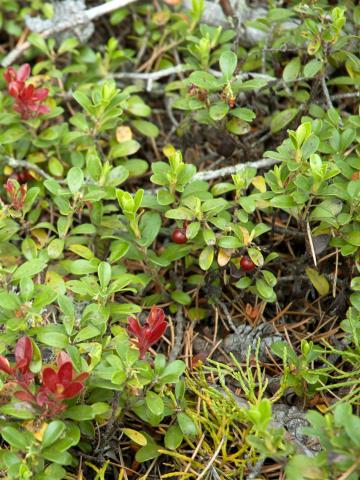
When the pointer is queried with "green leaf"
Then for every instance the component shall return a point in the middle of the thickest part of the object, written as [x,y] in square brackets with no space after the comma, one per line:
[53,339]
[55,248]
[75,179]
[29,269]
[355,284]
[319,281]
[164,197]
[154,403]
[150,225]
[80,413]
[228,63]
[147,453]
[243,283]
[203,80]
[264,290]
[38,41]
[206,258]
[104,274]
[281,119]
[16,438]
[90,331]
[218,110]
[243,114]
[83,100]
[82,251]
[186,425]
[9,301]
[312,68]
[146,128]
[237,126]
[180,213]
[353,238]
[52,433]
[124,149]
[172,372]
[135,436]
[173,437]
[292,70]
[68,45]
[12,135]
[181,297]
[54,455]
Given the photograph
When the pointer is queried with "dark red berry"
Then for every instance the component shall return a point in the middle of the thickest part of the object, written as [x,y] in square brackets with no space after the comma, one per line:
[178,236]
[247,264]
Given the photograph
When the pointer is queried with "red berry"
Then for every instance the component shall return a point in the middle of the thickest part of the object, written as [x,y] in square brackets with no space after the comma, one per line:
[247,264]
[178,236]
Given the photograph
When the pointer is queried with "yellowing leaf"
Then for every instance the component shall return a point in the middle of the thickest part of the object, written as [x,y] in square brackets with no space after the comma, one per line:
[322,407]
[135,436]
[224,256]
[168,150]
[41,236]
[82,251]
[38,432]
[246,235]
[318,281]
[55,280]
[123,134]
[37,157]
[259,183]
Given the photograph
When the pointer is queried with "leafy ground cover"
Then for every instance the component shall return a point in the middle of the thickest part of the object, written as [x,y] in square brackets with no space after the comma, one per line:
[179,240]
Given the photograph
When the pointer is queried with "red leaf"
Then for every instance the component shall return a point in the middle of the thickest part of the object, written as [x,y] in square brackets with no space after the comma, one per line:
[65,373]
[82,377]
[72,390]
[50,379]
[10,75]
[156,315]
[157,333]
[5,365]
[134,326]
[23,73]
[62,357]
[23,354]
[40,94]
[24,396]
[42,399]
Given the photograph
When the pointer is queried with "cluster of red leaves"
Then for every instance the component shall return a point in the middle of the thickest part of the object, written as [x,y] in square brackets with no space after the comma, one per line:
[150,332]
[17,194]
[56,385]
[28,98]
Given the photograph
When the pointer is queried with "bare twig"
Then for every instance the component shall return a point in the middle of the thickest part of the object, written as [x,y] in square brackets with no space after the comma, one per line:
[212,459]
[152,76]
[227,171]
[179,324]
[179,334]
[308,232]
[14,163]
[86,17]
[340,96]
[246,75]
[326,92]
